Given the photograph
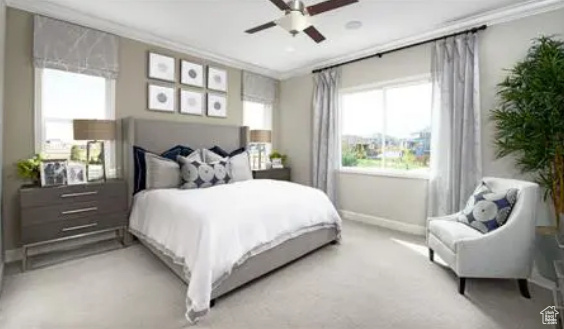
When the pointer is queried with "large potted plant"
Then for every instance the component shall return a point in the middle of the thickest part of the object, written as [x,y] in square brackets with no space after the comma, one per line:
[530,119]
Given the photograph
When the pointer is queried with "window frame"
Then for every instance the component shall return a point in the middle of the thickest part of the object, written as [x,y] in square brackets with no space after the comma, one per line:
[383,85]
[39,131]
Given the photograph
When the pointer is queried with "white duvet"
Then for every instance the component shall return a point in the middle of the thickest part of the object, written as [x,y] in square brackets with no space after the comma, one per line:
[210,231]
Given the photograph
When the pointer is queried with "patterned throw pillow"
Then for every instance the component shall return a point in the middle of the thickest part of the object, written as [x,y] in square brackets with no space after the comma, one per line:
[486,211]
[198,174]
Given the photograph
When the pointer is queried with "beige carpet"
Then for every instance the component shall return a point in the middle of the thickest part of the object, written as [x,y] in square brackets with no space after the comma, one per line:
[375,279]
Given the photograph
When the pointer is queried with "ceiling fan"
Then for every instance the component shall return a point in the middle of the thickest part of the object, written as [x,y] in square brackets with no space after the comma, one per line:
[297,18]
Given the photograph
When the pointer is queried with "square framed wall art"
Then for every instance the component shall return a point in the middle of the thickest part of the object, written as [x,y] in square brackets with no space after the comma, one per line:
[217,105]
[217,79]
[191,102]
[161,98]
[191,74]
[162,67]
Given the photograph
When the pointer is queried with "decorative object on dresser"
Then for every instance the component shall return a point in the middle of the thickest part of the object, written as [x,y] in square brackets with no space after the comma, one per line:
[29,170]
[260,138]
[217,79]
[217,105]
[277,159]
[276,174]
[191,74]
[162,67]
[53,172]
[161,98]
[191,102]
[56,214]
[95,132]
[76,173]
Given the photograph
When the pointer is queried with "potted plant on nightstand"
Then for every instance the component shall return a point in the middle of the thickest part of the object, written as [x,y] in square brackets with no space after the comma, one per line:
[28,169]
[277,159]
[530,122]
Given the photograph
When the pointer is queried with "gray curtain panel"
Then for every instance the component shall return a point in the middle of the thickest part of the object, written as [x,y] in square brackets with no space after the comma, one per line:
[325,139]
[69,47]
[456,152]
[258,88]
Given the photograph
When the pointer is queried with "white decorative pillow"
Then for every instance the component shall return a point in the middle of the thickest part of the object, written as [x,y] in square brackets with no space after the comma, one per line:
[239,165]
[198,174]
[161,172]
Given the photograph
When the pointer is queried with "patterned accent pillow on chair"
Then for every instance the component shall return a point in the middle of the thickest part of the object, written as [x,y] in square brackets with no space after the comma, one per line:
[486,211]
[198,174]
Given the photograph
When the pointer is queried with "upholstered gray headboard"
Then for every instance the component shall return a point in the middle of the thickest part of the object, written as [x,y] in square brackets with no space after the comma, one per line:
[158,136]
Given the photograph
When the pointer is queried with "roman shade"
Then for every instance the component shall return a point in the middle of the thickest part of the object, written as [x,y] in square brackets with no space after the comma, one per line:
[258,88]
[69,47]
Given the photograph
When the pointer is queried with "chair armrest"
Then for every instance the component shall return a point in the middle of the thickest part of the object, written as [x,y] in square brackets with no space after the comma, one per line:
[451,217]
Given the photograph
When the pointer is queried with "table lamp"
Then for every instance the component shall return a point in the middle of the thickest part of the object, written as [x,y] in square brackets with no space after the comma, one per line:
[95,132]
[261,137]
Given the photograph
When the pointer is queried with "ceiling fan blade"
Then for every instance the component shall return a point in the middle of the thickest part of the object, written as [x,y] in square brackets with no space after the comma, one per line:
[261,27]
[314,34]
[328,5]
[280,4]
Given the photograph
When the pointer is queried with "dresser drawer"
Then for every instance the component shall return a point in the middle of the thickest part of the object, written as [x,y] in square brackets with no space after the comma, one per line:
[49,196]
[72,227]
[68,211]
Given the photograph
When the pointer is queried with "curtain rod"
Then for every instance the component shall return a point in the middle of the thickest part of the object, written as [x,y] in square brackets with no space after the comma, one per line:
[380,54]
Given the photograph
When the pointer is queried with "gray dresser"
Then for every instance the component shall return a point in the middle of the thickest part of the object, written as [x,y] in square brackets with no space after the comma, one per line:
[277,174]
[55,214]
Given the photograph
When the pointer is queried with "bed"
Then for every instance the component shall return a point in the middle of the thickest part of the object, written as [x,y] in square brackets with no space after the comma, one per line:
[237,239]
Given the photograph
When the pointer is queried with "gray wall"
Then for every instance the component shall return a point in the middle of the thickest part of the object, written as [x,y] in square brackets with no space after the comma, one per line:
[404,199]
[2,49]
[131,100]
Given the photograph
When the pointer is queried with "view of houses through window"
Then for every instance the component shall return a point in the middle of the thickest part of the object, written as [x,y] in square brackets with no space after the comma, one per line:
[388,127]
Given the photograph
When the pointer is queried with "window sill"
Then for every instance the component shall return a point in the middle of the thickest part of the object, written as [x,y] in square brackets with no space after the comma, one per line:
[385,173]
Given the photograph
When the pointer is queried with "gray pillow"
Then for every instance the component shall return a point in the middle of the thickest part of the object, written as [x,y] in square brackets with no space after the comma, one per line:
[161,172]
[198,174]
[239,165]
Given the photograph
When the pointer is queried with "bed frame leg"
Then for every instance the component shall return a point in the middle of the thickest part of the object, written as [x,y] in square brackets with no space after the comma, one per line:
[212,302]
[334,242]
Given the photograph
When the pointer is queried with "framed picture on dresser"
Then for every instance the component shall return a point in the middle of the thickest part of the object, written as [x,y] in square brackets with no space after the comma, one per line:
[53,172]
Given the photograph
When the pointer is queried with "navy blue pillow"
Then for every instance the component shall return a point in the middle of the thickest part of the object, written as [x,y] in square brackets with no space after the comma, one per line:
[221,152]
[140,166]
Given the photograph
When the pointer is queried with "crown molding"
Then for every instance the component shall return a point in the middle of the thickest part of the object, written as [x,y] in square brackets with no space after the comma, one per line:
[490,18]
[499,16]
[57,11]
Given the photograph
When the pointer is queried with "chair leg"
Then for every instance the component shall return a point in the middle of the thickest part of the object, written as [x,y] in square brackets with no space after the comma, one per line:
[431,254]
[461,285]
[212,302]
[524,288]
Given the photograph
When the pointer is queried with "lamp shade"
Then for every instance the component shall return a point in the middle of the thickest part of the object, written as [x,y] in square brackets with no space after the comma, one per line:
[89,130]
[261,136]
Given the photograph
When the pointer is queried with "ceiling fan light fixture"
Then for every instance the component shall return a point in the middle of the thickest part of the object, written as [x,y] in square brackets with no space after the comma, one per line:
[294,22]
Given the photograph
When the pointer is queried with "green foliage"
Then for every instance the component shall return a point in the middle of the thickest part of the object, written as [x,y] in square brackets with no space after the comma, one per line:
[349,159]
[78,154]
[529,119]
[277,155]
[409,159]
[28,169]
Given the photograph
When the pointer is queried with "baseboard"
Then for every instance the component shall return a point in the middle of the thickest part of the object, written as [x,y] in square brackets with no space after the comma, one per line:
[383,222]
[541,281]
[13,255]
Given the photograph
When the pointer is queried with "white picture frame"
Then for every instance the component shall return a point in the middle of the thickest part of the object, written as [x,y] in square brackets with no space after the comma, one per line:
[53,172]
[217,79]
[217,105]
[161,98]
[191,74]
[192,102]
[76,173]
[162,67]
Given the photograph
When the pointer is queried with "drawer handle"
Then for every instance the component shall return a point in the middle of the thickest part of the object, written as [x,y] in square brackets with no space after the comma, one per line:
[74,195]
[78,211]
[74,228]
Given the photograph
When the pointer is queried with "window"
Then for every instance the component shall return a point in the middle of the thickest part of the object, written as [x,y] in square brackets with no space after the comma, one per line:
[258,116]
[387,128]
[61,97]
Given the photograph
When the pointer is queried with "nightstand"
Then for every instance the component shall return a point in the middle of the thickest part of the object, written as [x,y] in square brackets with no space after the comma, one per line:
[277,174]
[55,214]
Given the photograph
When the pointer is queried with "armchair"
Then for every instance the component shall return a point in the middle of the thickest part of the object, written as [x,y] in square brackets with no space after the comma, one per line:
[505,253]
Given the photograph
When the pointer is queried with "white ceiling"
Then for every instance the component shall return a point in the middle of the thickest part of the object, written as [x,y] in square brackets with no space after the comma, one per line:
[217,27]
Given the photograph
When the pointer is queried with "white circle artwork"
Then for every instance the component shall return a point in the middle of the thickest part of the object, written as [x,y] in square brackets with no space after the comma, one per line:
[485,211]
[217,79]
[192,73]
[162,67]
[161,97]
[217,106]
